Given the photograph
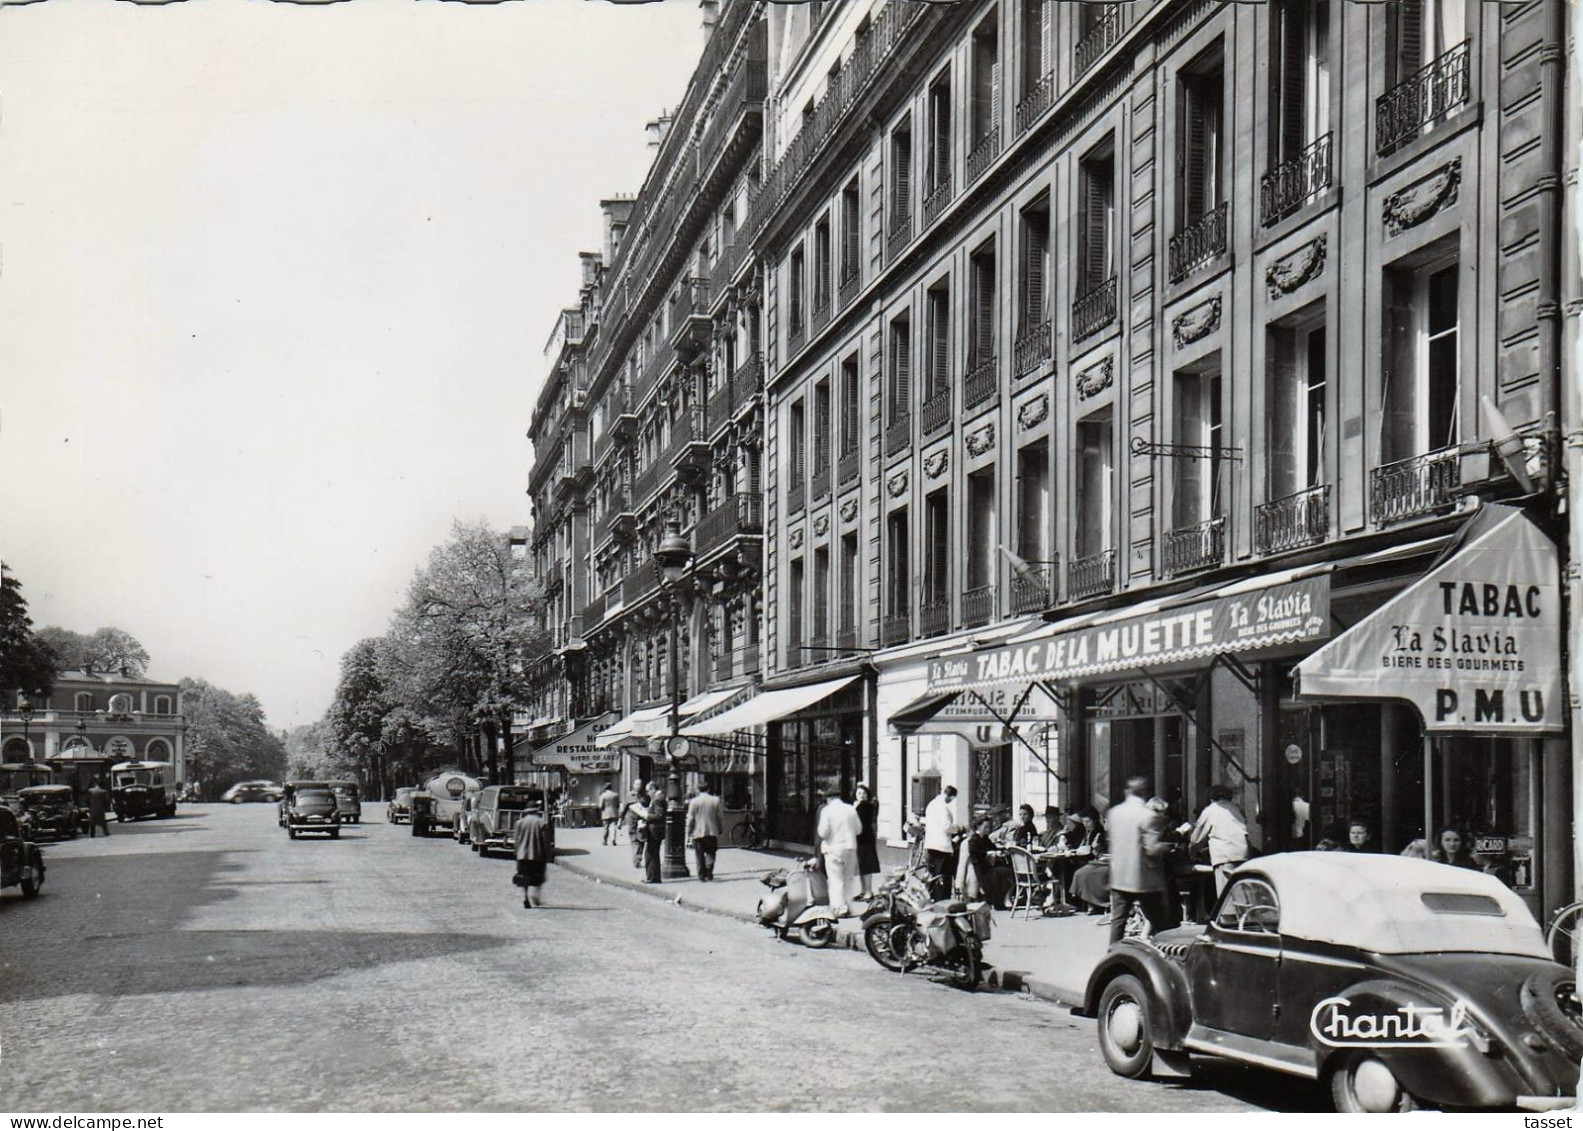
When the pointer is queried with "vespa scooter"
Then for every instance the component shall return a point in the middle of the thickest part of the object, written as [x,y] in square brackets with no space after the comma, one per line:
[799,904]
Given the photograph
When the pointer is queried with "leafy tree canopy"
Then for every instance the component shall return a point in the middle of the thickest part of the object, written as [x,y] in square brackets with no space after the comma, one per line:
[27,664]
[227,739]
[103,650]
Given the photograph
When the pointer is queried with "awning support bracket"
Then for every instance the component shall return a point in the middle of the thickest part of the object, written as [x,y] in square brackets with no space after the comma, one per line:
[1006,722]
[1244,675]
[1192,717]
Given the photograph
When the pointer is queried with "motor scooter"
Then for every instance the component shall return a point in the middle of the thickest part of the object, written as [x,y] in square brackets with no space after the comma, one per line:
[905,928]
[799,904]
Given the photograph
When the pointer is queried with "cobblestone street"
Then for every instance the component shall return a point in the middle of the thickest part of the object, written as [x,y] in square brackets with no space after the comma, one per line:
[207,963]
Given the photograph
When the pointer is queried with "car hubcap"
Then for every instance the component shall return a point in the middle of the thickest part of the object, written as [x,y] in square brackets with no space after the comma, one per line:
[1126,1026]
[1375,1086]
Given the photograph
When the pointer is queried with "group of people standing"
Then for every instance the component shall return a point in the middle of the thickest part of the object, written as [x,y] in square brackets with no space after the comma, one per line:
[643,820]
[848,844]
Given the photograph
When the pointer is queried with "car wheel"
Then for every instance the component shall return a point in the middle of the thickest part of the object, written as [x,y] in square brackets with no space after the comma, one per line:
[32,880]
[1124,1037]
[818,934]
[1363,1083]
[1550,1000]
[236,801]
[291,833]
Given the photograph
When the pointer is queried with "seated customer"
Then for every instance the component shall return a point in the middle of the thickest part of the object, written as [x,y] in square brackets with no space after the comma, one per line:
[1019,831]
[1453,850]
[1055,823]
[1088,877]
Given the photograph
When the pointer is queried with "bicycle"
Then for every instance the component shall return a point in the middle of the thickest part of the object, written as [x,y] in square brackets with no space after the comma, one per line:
[1564,935]
[750,831]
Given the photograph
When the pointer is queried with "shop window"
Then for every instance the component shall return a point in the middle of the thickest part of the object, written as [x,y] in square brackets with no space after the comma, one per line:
[1297,390]
[991,785]
[1421,397]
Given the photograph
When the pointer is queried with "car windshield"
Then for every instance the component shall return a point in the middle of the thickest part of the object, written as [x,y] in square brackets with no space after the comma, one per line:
[315,797]
[521,799]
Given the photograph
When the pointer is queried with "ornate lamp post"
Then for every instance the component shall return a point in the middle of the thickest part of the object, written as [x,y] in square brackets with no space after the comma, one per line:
[24,707]
[672,556]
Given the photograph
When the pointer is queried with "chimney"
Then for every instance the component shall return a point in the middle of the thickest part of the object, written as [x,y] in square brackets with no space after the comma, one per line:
[708,16]
[617,212]
[656,130]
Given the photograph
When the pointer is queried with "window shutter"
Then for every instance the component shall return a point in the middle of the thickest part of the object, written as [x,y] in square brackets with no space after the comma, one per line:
[1195,142]
[1409,46]
[849,408]
[1294,78]
[940,329]
[1037,260]
[984,314]
[1096,230]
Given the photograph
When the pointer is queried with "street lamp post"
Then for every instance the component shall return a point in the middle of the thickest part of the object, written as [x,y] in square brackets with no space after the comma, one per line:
[24,707]
[672,556]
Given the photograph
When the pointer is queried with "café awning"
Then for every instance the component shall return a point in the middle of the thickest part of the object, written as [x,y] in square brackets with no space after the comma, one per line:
[636,729]
[578,752]
[1475,643]
[766,707]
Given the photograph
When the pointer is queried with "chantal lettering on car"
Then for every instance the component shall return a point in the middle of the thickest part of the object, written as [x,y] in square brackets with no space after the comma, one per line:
[1335,1023]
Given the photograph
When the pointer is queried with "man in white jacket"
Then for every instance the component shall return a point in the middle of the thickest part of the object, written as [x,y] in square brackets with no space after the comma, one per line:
[839,826]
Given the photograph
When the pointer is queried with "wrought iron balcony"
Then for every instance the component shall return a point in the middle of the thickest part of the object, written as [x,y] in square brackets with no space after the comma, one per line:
[1199,243]
[720,407]
[593,612]
[851,283]
[724,666]
[1032,590]
[1189,548]
[638,585]
[978,605]
[1035,102]
[689,318]
[741,514]
[981,384]
[1418,486]
[1095,310]
[750,658]
[895,628]
[939,196]
[605,524]
[846,638]
[648,480]
[937,411]
[820,485]
[1299,519]
[1402,113]
[848,466]
[1091,576]
[1292,184]
[983,155]
[744,95]
[899,236]
[795,656]
[1031,349]
[934,617]
[796,495]
[1100,38]
[898,433]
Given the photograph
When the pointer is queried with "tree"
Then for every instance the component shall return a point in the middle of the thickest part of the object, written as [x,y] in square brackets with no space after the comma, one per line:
[227,739]
[27,664]
[105,650]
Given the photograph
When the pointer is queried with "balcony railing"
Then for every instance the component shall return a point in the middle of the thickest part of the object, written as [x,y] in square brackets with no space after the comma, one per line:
[638,584]
[1417,486]
[983,155]
[1402,113]
[939,196]
[851,283]
[898,433]
[1292,184]
[978,605]
[1035,102]
[1095,310]
[593,612]
[1100,38]
[742,513]
[895,628]
[750,658]
[820,486]
[899,236]
[934,617]
[981,383]
[1300,519]
[796,496]
[795,656]
[848,466]
[1091,576]
[1032,348]
[1189,548]
[724,666]
[1031,590]
[689,317]
[937,411]
[721,406]
[648,480]
[821,309]
[744,94]
[1199,243]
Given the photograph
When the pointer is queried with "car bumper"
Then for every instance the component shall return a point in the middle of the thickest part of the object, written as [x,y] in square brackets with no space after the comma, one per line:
[312,828]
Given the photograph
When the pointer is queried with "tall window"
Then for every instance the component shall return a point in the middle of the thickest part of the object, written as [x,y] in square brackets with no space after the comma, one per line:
[939,314]
[898,564]
[939,164]
[1298,432]
[821,594]
[1199,422]
[898,394]
[983,533]
[796,288]
[1199,174]
[849,582]
[851,410]
[985,110]
[901,174]
[937,547]
[981,341]
[1422,393]
[796,444]
[1420,31]
[1033,503]
[1096,235]
[794,612]
[851,232]
[822,264]
[1299,76]
[1096,486]
[822,424]
[1034,270]
[1035,43]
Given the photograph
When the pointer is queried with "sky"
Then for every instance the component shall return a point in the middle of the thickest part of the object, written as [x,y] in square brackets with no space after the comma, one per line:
[275,282]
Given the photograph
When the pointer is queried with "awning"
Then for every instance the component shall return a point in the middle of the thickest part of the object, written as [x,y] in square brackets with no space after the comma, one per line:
[1475,643]
[767,707]
[579,752]
[978,715]
[636,728]
[707,701]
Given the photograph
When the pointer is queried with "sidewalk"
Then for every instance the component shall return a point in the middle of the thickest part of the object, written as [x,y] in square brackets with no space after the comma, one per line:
[1050,958]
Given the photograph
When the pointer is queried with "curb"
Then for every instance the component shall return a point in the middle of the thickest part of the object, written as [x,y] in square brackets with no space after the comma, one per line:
[1014,981]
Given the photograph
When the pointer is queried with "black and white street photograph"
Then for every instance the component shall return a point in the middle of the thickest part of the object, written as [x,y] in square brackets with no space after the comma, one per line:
[778,556]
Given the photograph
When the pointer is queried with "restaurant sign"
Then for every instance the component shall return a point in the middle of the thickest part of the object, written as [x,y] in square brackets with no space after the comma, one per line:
[1294,612]
[576,752]
[1475,643]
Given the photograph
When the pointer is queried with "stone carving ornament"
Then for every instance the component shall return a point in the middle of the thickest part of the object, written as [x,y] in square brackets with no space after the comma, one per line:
[1096,379]
[795,538]
[934,465]
[1295,268]
[849,509]
[982,440]
[897,484]
[1420,200]
[1190,325]
[821,523]
[1033,412]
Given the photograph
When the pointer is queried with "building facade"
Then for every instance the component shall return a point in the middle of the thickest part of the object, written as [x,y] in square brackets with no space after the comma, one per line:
[97,719]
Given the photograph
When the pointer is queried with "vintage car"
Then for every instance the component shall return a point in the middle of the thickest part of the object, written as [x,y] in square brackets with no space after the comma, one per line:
[399,810]
[439,806]
[310,807]
[49,811]
[1398,983]
[17,776]
[492,819]
[142,789]
[21,862]
[349,800]
[253,791]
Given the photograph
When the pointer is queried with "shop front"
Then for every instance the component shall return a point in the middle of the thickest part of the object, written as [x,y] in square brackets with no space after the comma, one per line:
[583,767]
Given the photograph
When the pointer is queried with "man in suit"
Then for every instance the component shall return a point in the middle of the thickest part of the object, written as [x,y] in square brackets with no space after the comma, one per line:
[98,809]
[704,825]
[1137,859]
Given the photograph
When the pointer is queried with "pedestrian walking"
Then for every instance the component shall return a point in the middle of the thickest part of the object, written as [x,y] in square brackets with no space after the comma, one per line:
[636,816]
[1137,852]
[704,825]
[839,826]
[939,817]
[98,809]
[1224,829]
[533,857]
[867,841]
[609,812]
[654,837]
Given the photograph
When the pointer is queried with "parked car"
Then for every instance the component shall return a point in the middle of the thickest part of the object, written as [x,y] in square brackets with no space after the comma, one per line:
[21,861]
[1396,982]
[49,811]
[349,800]
[492,819]
[253,791]
[142,789]
[439,805]
[311,809]
[399,811]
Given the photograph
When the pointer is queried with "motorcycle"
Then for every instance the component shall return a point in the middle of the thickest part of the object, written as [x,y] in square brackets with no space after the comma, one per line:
[906,928]
[799,904]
